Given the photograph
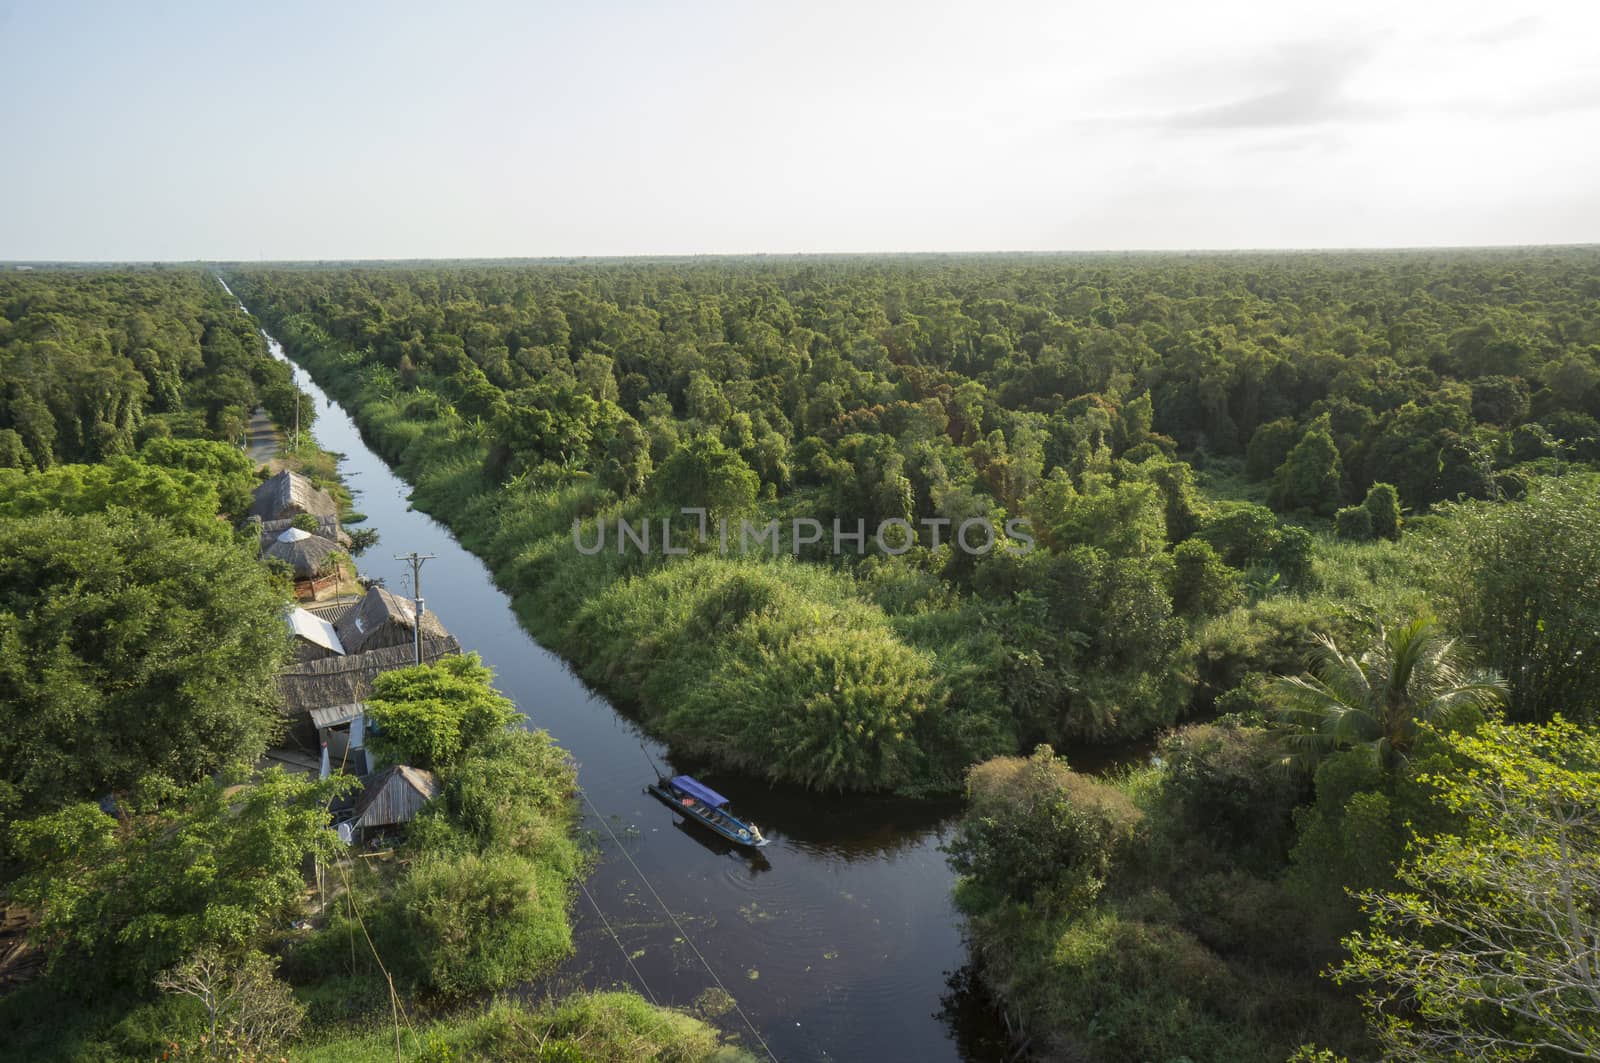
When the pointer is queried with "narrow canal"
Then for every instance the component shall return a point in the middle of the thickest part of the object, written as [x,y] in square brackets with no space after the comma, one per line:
[839,940]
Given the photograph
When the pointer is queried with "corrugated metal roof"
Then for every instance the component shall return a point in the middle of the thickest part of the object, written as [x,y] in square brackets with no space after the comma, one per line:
[293,535]
[314,629]
[395,795]
[335,715]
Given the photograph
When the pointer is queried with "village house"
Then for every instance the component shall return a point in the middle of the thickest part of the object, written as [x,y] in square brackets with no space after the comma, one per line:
[341,648]
[327,527]
[287,495]
[382,618]
[314,636]
[314,562]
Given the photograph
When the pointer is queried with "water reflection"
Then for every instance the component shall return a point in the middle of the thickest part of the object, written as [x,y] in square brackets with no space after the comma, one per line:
[753,859]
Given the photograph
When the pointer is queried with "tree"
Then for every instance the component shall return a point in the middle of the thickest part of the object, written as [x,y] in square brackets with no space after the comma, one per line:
[1487,950]
[703,473]
[1522,580]
[207,867]
[185,500]
[248,1010]
[1037,832]
[1312,476]
[1201,584]
[1410,675]
[1269,447]
[429,715]
[127,649]
[222,465]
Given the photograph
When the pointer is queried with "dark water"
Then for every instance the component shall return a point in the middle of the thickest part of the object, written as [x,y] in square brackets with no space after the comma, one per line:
[838,941]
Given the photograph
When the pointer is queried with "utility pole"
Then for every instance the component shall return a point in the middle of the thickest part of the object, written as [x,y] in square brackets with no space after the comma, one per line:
[416,560]
[296,417]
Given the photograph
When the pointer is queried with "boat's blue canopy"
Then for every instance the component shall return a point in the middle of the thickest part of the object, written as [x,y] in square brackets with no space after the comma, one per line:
[693,787]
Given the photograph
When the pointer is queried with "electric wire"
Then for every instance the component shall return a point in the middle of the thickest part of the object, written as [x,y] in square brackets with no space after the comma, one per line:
[681,931]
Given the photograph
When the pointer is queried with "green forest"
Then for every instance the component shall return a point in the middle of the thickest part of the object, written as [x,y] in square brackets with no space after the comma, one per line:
[1308,543]
[160,870]
[1325,525]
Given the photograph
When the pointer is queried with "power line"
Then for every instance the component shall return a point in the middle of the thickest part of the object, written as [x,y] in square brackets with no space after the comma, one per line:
[625,953]
[681,931]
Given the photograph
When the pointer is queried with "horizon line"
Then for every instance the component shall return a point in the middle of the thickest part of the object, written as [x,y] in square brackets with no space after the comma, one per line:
[678,256]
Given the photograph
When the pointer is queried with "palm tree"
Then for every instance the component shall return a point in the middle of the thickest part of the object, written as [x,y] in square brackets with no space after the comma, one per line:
[1410,675]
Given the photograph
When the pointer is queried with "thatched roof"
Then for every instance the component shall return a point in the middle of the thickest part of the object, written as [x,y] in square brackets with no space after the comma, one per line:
[308,685]
[308,555]
[379,609]
[327,527]
[289,493]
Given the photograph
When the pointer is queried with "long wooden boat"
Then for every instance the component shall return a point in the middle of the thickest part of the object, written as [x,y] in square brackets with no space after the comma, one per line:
[699,803]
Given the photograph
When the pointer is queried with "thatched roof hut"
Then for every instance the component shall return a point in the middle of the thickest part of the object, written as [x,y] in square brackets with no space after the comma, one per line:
[327,527]
[383,618]
[309,556]
[288,494]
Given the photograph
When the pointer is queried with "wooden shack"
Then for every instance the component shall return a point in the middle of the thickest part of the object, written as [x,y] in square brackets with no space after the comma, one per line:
[391,797]
[345,680]
[328,527]
[313,561]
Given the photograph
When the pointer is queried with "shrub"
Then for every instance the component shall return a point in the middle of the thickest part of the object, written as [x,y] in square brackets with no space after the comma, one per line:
[1225,783]
[1383,504]
[484,922]
[428,715]
[514,792]
[1038,832]
[1353,522]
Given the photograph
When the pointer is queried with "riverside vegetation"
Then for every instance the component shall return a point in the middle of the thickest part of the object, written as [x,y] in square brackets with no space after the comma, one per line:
[1342,508]
[1324,526]
[164,879]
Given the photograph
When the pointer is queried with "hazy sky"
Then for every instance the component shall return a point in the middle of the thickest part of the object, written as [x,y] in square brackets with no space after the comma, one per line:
[369,130]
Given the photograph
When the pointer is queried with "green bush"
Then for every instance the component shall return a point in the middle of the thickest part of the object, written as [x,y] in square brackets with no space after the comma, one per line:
[484,922]
[1383,503]
[1353,523]
[1226,783]
[1038,832]
[429,715]
[514,792]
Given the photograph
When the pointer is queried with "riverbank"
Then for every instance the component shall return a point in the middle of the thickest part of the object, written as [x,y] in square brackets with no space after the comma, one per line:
[841,941]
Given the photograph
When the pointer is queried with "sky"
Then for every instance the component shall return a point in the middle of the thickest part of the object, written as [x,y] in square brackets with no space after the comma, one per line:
[358,129]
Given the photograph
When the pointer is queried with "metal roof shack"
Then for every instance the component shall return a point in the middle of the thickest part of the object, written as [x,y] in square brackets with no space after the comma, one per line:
[315,638]
[393,796]
[284,496]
